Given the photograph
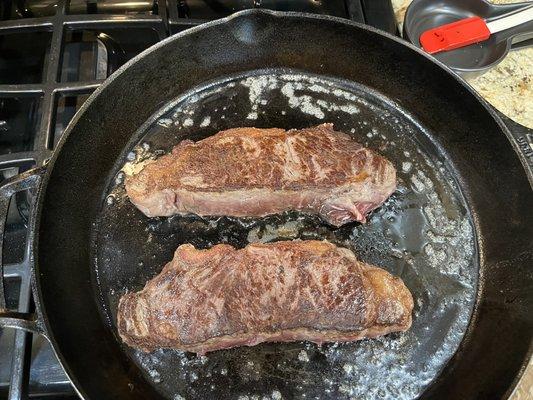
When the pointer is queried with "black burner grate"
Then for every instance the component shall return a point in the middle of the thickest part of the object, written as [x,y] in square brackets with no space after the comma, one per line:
[48,68]
[53,55]
[56,84]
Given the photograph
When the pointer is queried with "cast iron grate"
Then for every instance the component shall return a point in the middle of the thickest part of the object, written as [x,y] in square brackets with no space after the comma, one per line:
[41,87]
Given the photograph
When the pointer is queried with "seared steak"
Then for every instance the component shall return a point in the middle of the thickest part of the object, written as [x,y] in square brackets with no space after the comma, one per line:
[256,172]
[206,300]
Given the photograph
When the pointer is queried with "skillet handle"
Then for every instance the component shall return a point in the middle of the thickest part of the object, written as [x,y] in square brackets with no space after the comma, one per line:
[29,180]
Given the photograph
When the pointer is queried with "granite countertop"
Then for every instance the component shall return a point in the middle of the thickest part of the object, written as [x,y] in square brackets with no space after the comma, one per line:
[509,88]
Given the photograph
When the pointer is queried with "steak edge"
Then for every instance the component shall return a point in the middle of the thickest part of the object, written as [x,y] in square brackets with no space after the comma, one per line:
[251,172]
[206,300]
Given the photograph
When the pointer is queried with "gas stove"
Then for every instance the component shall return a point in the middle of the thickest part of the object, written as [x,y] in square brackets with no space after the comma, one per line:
[53,55]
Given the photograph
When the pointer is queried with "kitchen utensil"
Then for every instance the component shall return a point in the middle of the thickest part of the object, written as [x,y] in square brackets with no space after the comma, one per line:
[477,58]
[472,30]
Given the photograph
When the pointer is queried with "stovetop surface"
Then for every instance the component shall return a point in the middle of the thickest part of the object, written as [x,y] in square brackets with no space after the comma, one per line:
[53,55]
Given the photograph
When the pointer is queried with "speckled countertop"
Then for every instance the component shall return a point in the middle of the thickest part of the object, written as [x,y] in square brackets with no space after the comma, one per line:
[509,88]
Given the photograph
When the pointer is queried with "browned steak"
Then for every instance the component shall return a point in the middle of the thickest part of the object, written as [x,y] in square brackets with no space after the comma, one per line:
[256,172]
[207,300]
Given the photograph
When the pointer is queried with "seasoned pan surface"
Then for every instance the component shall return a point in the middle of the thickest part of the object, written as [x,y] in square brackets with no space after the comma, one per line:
[423,233]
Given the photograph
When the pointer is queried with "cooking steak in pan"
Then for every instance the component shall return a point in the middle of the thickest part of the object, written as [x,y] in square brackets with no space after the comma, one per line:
[213,299]
[462,248]
[249,172]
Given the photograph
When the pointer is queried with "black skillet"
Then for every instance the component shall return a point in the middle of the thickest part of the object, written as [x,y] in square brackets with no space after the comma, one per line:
[458,230]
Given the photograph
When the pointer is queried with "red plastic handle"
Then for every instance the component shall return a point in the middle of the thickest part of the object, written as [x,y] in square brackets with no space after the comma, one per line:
[455,35]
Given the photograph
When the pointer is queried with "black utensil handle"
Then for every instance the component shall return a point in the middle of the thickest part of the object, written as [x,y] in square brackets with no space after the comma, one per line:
[29,180]
[379,14]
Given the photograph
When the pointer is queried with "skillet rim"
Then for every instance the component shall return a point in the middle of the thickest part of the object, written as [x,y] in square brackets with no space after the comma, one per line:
[39,199]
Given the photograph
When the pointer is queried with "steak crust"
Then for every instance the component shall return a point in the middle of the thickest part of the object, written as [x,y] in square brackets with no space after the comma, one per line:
[250,172]
[206,300]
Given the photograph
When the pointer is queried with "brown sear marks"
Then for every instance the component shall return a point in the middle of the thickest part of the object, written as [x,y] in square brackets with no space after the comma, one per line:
[205,300]
[257,172]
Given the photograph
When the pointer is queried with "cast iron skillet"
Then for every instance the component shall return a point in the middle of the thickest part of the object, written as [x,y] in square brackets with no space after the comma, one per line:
[458,231]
